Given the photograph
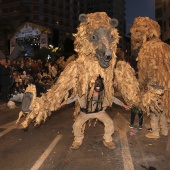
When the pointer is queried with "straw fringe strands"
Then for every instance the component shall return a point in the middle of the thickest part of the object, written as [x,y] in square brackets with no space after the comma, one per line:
[153,62]
[96,38]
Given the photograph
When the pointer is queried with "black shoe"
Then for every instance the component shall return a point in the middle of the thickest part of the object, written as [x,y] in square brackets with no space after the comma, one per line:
[150,129]
[131,126]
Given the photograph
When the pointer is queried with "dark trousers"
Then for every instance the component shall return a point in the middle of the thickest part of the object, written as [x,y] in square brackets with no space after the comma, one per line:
[140,116]
[4,93]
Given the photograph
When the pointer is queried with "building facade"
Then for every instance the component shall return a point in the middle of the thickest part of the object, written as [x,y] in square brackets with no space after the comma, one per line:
[59,15]
[162,16]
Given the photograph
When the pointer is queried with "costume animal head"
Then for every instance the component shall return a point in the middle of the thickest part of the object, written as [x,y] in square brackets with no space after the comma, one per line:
[143,29]
[97,37]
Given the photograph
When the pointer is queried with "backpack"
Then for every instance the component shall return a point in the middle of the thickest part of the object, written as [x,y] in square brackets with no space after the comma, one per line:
[136,110]
[26,102]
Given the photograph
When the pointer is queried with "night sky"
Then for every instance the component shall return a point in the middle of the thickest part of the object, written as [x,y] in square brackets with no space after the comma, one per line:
[136,8]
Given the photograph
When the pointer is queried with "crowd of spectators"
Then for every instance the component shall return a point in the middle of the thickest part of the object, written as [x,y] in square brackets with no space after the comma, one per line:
[16,74]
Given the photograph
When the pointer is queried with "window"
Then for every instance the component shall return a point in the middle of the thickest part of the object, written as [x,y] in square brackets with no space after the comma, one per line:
[35,8]
[53,4]
[11,9]
[67,7]
[60,6]
[5,10]
[27,18]
[35,17]
[46,10]
[67,24]
[18,9]
[27,9]
[41,1]
[158,12]
[60,14]
[41,10]
[158,2]
[164,5]
[53,12]
[46,19]
[41,17]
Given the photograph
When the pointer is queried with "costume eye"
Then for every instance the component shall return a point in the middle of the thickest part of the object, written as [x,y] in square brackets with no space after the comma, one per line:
[111,37]
[94,37]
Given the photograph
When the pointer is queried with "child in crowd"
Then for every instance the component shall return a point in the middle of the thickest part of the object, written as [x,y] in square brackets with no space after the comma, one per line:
[135,110]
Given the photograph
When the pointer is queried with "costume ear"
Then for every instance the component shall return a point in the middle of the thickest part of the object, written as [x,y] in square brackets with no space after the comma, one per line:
[114,22]
[83,17]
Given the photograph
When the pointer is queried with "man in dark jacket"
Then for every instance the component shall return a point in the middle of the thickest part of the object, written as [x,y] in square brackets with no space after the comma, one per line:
[5,79]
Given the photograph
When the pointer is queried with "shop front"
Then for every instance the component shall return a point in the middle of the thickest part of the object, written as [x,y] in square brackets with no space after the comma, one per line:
[31,37]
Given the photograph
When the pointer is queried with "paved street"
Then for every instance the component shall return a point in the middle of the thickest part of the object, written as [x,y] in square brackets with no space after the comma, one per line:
[48,146]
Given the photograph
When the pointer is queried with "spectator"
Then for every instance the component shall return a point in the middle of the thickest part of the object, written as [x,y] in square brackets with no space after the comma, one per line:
[134,111]
[40,87]
[27,67]
[5,79]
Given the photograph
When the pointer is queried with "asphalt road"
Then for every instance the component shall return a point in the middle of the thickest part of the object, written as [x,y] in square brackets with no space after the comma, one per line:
[48,146]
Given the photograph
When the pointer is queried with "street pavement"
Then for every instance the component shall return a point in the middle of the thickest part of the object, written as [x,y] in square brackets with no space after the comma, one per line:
[47,147]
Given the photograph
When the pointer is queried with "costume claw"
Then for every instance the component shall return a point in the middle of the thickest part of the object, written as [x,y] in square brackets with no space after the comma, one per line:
[75,145]
[109,145]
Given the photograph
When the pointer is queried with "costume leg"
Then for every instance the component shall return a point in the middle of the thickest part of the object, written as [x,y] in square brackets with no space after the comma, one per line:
[108,123]
[154,124]
[77,127]
[164,124]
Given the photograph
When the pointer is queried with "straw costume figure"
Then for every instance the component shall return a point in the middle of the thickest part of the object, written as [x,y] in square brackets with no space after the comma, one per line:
[153,69]
[95,43]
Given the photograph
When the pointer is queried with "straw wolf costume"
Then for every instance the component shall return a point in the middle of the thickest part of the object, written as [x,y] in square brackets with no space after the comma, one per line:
[95,43]
[153,68]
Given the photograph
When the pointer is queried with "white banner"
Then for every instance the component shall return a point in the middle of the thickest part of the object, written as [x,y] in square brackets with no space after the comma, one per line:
[27,31]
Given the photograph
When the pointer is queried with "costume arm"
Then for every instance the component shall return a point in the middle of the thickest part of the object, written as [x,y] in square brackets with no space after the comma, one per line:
[69,100]
[148,101]
[120,103]
[50,101]
[117,101]
[127,83]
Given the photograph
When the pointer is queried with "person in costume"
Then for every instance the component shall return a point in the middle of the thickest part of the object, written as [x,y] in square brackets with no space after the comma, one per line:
[94,109]
[136,111]
[153,70]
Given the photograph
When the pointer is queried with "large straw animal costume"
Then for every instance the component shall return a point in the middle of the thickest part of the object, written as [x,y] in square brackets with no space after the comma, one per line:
[62,64]
[153,58]
[96,44]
